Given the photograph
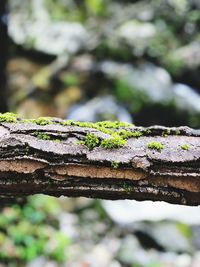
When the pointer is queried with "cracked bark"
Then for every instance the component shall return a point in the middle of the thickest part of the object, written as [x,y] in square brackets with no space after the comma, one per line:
[29,165]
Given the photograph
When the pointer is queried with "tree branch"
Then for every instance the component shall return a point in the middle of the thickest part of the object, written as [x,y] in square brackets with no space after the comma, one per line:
[46,156]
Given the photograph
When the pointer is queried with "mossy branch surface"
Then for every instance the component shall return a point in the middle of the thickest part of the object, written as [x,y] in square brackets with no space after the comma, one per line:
[110,160]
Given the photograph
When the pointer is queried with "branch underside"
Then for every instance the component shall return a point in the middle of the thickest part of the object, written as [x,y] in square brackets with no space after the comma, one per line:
[61,165]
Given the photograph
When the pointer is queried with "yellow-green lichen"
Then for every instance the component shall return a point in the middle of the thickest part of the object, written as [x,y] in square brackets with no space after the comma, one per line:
[8,117]
[155,145]
[185,147]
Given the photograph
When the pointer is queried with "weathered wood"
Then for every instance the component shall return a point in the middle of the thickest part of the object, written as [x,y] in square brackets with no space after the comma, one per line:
[30,164]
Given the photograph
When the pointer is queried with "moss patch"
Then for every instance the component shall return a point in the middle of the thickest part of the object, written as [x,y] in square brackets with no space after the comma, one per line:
[115,165]
[127,187]
[155,145]
[185,147]
[128,134]
[166,133]
[42,121]
[113,142]
[91,141]
[42,136]
[8,117]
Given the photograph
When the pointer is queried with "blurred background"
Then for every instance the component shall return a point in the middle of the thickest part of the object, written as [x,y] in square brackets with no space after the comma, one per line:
[92,60]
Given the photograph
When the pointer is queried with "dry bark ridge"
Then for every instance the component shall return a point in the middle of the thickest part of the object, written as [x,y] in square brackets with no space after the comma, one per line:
[30,164]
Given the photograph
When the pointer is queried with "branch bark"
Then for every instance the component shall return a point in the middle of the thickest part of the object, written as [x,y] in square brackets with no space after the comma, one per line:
[29,164]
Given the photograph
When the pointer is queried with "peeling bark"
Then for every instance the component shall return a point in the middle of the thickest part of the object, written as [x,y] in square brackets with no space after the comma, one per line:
[61,166]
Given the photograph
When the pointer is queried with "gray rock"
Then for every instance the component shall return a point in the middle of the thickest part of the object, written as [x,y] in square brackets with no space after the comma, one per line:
[131,252]
[128,211]
[188,55]
[35,30]
[169,236]
[153,81]
[136,34]
[186,98]
[100,108]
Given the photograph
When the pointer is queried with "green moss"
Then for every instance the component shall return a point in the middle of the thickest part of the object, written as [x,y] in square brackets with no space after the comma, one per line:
[155,145]
[128,134]
[127,187]
[148,131]
[113,124]
[113,142]
[178,132]
[8,117]
[56,141]
[115,165]
[185,147]
[42,136]
[27,149]
[42,121]
[91,141]
[166,133]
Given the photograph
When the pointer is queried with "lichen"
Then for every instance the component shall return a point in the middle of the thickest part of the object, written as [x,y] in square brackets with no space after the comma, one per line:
[115,165]
[8,117]
[155,145]
[185,147]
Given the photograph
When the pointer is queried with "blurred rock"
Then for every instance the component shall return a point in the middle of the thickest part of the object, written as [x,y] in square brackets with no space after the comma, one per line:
[136,34]
[196,260]
[149,79]
[37,30]
[169,237]
[188,56]
[128,211]
[100,256]
[59,37]
[132,253]
[186,98]
[98,109]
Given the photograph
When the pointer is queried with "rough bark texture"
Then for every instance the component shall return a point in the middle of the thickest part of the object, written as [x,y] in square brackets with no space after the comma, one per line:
[60,166]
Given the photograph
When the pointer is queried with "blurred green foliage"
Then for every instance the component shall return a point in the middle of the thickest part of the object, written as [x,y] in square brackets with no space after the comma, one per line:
[31,230]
